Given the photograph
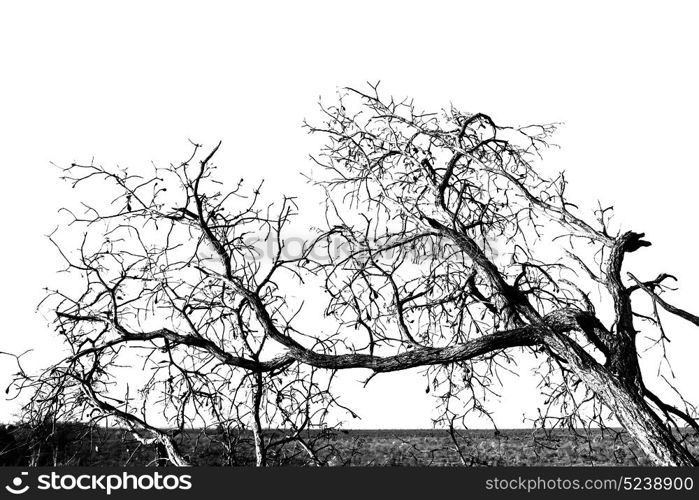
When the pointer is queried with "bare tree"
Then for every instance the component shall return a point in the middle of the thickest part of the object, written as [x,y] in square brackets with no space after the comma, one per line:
[159,300]
[463,253]
[443,249]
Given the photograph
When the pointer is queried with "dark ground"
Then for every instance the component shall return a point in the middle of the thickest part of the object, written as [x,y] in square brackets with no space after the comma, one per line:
[76,444]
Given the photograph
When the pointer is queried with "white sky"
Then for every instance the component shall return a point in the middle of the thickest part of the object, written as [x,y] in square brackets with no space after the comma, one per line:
[129,82]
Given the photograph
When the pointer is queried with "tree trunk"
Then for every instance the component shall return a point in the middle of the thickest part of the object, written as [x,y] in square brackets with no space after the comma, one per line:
[161,455]
[173,453]
[260,455]
[165,449]
[645,427]
[634,414]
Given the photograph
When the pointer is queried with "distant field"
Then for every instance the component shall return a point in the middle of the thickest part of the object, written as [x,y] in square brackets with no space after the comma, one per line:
[103,447]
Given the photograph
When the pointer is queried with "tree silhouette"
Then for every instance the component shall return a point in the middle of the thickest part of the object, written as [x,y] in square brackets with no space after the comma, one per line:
[442,247]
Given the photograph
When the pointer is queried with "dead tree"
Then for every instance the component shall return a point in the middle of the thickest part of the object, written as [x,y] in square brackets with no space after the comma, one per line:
[442,249]
[463,255]
[159,336]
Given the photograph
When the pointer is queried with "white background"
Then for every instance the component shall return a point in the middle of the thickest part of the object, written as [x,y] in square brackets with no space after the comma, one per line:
[129,82]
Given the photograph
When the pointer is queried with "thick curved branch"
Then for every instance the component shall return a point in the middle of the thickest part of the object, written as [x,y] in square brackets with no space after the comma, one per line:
[177,339]
[174,454]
